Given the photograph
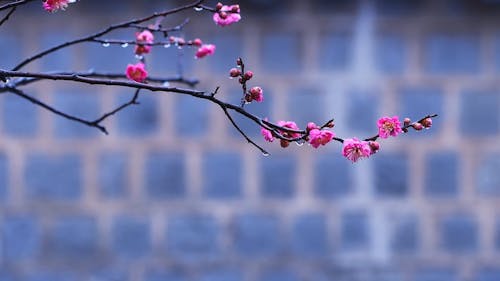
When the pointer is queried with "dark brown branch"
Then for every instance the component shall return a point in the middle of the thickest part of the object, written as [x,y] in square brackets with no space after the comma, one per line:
[97,81]
[91,73]
[103,32]
[158,27]
[6,18]
[248,139]
[133,101]
[14,4]
[56,111]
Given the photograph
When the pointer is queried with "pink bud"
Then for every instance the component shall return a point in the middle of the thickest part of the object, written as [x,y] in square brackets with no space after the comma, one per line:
[239,62]
[248,75]
[374,146]
[417,126]
[248,98]
[235,8]
[234,72]
[406,121]
[427,122]
[223,15]
[311,126]
[218,6]
[197,42]
[284,143]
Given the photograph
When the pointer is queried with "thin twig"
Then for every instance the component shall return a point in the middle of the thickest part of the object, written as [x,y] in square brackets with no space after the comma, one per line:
[103,32]
[119,108]
[14,4]
[27,80]
[97,81]
[56,111]
[6,18]
[249,140]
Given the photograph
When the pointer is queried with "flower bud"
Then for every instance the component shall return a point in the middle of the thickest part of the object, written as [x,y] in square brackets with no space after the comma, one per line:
[374,146]
[248,75]
[311,126]
[330,124]
[257,94]
[234,72]
[197,42]
[218,6]
[248,97]
[284,143]
[235,8]
[242,80]
[406,121]
[417,126]
[427,122]
[239,62]
[223,15]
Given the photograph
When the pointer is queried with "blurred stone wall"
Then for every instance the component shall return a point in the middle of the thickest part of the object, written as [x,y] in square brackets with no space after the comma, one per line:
[174,193]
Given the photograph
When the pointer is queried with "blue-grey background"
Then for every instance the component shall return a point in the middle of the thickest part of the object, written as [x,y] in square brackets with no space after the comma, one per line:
[175,194]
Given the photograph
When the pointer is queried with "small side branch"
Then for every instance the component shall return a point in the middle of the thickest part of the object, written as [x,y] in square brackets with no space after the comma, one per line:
[248,139]
[6,18]
[133,101]
[56,111]
[14,4]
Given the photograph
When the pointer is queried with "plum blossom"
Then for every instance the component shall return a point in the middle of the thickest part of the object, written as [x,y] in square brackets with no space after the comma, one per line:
[204,50]
[256,94]
[289,125]
[319,137]
[268,136]
[136,72]
[388,126]
[355,149]
[54,5]
[227,15]
[144,37]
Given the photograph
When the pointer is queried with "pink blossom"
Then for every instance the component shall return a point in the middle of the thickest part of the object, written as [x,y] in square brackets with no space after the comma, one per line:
[289,125]
[268,136]
[355,149]
[389,126]
[320,137]
[311,126]
[374,146]
[144,37]
[136,72]
[257,94]
[204,50]
[54,5]
[227,15]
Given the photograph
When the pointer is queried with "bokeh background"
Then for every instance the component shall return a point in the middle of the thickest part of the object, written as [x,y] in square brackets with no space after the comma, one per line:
[175,194]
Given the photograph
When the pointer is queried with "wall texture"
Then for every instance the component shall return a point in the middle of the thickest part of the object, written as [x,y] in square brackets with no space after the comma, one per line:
[174,193]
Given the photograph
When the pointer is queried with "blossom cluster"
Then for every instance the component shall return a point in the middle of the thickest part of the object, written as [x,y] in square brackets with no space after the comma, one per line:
[226,15]
[255,93]
[353,149]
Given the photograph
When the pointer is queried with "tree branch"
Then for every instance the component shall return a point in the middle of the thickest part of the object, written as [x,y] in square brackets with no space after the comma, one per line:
[56,111]
[15,4]
[6,18]
[103,32]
